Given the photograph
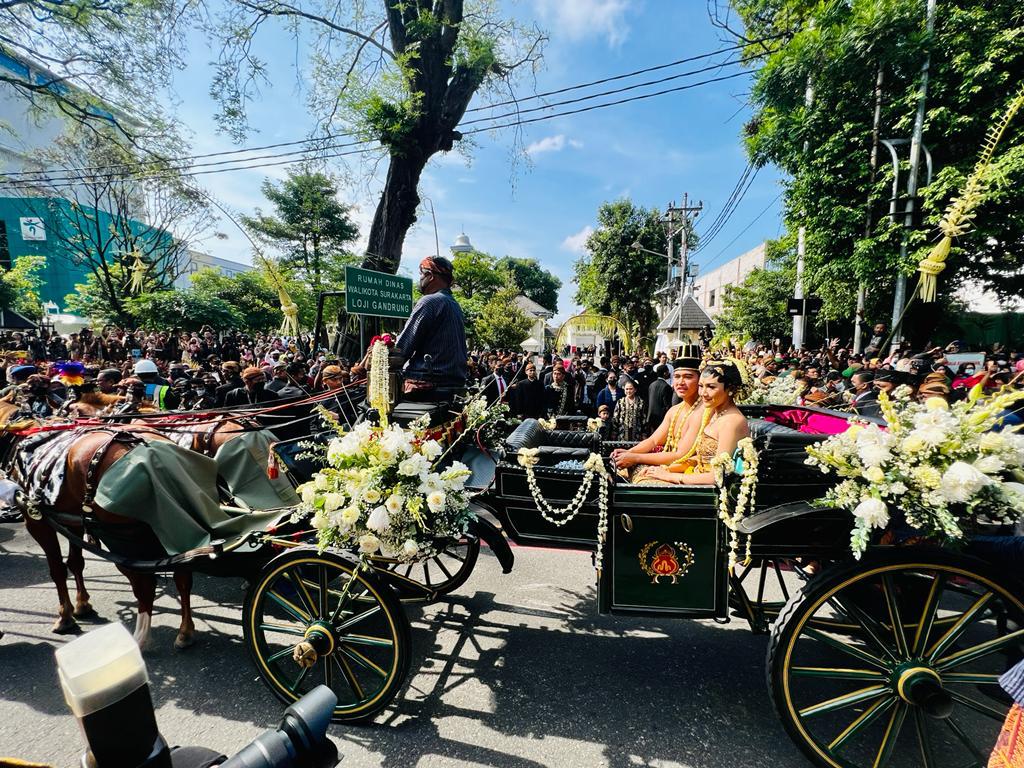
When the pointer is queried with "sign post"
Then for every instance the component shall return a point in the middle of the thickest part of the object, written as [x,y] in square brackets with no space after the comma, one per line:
[379,294]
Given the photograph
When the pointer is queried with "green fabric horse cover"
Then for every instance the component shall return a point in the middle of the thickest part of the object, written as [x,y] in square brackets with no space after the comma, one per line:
[242,464]
[174,491]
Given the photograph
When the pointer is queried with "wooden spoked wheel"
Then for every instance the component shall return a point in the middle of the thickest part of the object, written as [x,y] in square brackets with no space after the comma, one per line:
[347,627]
[895,660]
[443,572]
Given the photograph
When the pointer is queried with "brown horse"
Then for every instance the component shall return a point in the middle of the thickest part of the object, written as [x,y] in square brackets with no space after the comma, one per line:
[91,454]
[101,449]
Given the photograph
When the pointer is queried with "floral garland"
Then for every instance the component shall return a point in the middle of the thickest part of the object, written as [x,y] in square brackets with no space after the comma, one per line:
[746,497]
[378,394]
[593,467]
[705,419]
[548,424]
[674,435]
[594,425]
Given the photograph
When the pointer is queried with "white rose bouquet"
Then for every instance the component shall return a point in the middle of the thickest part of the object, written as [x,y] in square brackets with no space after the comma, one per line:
[939,467]
[386,492]
[783,390]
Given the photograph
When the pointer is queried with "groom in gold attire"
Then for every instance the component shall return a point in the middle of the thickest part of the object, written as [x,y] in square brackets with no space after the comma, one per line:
[662,447]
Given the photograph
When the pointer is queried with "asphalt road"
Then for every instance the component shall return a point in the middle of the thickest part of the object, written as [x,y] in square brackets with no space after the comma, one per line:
[514,671]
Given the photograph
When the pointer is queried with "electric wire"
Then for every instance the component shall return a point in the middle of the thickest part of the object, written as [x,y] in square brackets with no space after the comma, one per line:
[66,180]
[122,168]
[742,232]
[531,97]
[717,221]
[731,211]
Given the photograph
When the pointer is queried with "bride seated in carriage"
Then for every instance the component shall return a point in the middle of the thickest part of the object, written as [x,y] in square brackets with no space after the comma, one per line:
[713,425]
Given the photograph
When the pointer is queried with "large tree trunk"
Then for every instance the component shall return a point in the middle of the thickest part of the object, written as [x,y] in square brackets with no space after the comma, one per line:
[396,213]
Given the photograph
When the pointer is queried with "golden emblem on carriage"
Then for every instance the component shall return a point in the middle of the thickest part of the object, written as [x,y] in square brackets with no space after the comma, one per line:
[667,560]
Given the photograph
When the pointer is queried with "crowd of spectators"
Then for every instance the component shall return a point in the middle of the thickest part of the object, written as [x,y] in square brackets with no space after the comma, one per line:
[630,393]
[166,370]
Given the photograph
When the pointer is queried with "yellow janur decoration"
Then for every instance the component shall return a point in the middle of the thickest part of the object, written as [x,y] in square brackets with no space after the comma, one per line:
[137,282]
[962,210]
[289,308]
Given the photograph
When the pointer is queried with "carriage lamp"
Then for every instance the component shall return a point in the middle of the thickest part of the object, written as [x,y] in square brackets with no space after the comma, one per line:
[106,687]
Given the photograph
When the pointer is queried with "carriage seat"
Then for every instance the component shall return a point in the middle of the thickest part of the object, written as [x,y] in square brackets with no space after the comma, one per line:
[404,412]
[769,436]
[553,445]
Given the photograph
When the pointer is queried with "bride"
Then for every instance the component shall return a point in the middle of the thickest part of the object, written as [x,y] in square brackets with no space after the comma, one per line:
[718,430]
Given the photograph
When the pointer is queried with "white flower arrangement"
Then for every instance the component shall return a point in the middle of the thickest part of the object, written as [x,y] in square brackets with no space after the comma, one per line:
[784,390]
[388,492]
[936,466]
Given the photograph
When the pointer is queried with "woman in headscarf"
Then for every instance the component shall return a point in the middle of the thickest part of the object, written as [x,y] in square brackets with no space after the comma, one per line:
[630,415]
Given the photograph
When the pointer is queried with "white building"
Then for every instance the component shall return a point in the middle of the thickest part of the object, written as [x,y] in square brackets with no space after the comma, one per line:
[710,288]
[539,315]
[198,260]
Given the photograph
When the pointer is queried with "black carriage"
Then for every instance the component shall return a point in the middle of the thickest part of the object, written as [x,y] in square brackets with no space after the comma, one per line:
[891,659]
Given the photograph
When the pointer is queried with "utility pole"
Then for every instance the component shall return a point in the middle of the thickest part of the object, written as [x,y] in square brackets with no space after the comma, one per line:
[875,128]
[800,321]
[900,297]
[684,228]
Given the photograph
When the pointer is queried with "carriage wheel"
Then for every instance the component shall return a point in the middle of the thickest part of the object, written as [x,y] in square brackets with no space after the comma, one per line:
[444,572]
[895,660]
[352,638]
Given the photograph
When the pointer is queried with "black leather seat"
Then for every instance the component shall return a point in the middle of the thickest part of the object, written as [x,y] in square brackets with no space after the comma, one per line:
[768,435]
[553,445]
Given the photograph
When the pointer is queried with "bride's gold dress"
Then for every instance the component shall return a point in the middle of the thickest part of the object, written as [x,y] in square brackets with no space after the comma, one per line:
[696,460]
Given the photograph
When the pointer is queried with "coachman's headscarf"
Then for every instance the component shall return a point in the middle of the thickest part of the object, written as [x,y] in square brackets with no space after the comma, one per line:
[439,265]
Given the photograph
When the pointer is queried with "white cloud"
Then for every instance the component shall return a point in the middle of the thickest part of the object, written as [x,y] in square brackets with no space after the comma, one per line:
[553,144]
[584,19]
[547,144]
[577,243]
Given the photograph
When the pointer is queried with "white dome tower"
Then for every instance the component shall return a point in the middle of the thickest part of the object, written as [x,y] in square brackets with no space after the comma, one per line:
[462,244]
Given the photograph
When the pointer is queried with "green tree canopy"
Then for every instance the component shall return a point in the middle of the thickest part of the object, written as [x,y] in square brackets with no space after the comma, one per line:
[249,293]
[476,274]
[757,307]
[309,226]
[20,285]
[616,279]
[532,280]
[189,310]
[501,324]
[864,53]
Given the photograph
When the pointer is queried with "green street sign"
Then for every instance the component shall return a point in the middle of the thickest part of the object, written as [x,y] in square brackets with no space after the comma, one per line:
[380,294]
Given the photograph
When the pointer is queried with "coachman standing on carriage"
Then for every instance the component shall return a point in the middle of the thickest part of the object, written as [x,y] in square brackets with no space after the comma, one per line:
[432,346]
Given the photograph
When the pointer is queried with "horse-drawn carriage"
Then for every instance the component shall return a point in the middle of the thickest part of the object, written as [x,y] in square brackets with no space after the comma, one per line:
[890,659]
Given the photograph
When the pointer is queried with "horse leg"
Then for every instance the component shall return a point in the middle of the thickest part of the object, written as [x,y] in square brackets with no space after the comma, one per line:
[187,631]
[76,564]
[47,539]
[144,589]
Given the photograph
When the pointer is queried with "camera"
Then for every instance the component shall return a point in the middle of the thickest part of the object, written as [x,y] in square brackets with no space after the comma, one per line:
[106,686]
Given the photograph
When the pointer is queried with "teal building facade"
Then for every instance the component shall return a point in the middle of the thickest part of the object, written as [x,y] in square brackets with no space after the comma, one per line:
[40,226]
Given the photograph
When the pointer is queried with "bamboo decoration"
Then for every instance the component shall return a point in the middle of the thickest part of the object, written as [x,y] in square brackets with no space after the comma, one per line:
[602,324]
[137,281]
[962,209]
[290,326]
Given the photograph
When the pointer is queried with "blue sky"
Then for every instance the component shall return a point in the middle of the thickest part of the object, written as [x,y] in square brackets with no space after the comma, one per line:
[651,151]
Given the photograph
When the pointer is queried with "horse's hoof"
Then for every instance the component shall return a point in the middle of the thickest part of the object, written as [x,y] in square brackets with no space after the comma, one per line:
[183,641]
[66,626]
[86,612]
